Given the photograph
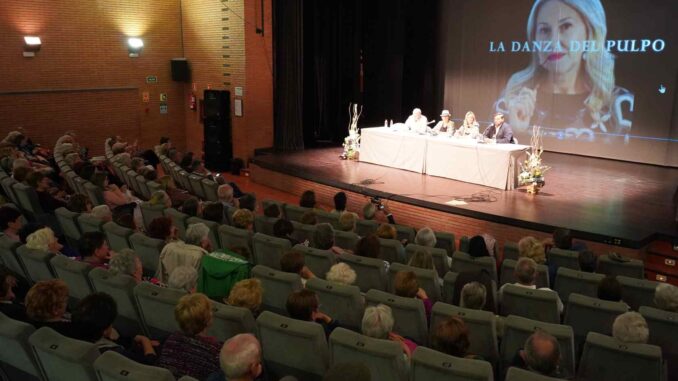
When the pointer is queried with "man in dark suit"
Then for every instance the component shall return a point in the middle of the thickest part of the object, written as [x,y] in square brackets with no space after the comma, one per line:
[500,131]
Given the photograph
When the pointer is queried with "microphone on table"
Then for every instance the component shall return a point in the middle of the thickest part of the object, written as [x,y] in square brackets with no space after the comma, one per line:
[431,122]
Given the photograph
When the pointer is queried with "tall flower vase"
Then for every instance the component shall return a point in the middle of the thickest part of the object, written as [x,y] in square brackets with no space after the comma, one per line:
[352,141]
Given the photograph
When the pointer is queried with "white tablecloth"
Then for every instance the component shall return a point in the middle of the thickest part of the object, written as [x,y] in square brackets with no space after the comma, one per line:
[492,165]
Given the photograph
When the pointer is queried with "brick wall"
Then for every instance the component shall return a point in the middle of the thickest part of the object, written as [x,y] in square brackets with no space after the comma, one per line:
[225,52]
[82,78]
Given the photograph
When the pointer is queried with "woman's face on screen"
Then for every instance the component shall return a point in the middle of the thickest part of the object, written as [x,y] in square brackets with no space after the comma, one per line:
[560,24]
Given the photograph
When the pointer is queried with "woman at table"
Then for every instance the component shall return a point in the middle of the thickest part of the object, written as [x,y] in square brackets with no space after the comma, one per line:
[445,125]
[470,128]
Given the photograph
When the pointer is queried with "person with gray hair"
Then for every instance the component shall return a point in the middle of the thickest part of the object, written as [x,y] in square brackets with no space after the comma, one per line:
[631,327]
[323,238]
[540,354]
[126,262]
[370,210]
[183,278]
[378,323]
[102,212]
[341,273]
[666,297]
[188,253]
[526,276]
[473,296]
[426,237]
[225,195]
[240,359]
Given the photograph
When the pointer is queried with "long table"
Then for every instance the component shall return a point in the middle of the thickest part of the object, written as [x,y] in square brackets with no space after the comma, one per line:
[492,165]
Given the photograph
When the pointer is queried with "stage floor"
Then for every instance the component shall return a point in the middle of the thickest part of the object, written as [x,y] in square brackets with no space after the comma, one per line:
[613,202]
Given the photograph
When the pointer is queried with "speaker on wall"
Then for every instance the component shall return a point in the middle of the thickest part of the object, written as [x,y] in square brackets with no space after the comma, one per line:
[217,130]
[180,70]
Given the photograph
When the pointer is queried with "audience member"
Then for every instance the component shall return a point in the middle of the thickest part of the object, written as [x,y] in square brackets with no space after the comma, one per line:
[309,218]
[284,229]
[530,247]
[225,196]
[450,336]
[248,201]
[11,221]
[94,249]
[562,239]
[42,185]
[307,199]
[8,304]
[163,229]
[348,221]
[183,278]
[160,198]
[21,174]
[103,213]
[28,229]
[348,371]
[473,296]
[243,219]
[303,305]
[126,262]
[273,211]
[370,210]
[387,231]
[46,304]
[247,293]
[477,247]
[43,240]
[631,328]
[94,317]
[293,262]
[190,352]
[610,289]
[378,323]
[424,260]
[426,237]
[405,284]
[78,203]
[587,261]
[526,276]
[340,200]
[213,211]
[368,247]
[323,237]
[113,196]
[184,253]
[178,196]
[240,359]
[192,207]
[666,297]
[541,354]
[480,276]
[341,273]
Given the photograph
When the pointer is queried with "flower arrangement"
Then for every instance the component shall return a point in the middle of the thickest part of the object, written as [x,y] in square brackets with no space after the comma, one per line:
[532,170]
[352,141]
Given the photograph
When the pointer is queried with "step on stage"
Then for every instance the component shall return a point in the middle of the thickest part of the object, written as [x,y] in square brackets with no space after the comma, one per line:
[611,202]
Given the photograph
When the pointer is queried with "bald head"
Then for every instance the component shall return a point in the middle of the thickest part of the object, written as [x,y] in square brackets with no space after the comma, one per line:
[542,353]
[240,357]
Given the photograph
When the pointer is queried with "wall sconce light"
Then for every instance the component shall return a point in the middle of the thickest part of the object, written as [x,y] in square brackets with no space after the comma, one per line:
[134,45]
[32,44]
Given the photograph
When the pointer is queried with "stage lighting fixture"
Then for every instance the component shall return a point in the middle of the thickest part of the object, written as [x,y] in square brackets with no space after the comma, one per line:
[32,44]
[134,45]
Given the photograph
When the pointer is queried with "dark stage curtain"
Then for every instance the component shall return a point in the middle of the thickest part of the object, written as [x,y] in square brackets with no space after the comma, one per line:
[289,68]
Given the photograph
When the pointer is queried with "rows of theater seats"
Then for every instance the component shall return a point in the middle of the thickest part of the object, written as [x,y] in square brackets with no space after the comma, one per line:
[149,309]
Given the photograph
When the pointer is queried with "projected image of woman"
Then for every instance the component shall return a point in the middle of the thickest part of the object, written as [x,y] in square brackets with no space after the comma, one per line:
[565,88]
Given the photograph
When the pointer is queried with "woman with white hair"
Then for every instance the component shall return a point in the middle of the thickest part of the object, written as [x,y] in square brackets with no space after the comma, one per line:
[102,212]
[564,86]
[470,128]
[666,297]
[341,273]
[378,323]
[183,278]
[631,327]
[426,237]
[43,240]
[126,262]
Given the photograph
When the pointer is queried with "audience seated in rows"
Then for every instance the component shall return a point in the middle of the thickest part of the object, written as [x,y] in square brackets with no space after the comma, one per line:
[478,247]
[183,278]
[78,203]
[273,211]
[666,297]
[341,273]
[8,303]
[49,199]
[526,276]
[163,229]
[248,201]
[610,289]
[44,240]
[378,323]
[368,247]
[11,222]
[307,200]
[247,293]
[348,221]
[323,237]
[450,336]
[94,249]
[424,260]
[405,284]
[370,211]
[425,237]
[192,207]
[46,305]
[587,261]
[473,296]
[482,277]
[340,200]
[213,211]
[225,196]
[284,229]
[240,359]
[631,327]
[293,262]
[178,196]
[303,305]
[540,354]
[243,219]
[126,262]
[160,198]
[309,218]
[184,253]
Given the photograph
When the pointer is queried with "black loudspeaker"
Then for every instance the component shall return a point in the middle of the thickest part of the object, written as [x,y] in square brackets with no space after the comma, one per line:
[180,70]
[217,127]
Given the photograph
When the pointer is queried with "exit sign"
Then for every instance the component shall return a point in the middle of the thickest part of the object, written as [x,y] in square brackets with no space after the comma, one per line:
[151,79]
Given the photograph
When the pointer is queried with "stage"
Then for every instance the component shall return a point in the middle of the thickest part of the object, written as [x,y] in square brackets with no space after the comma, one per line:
[611,202]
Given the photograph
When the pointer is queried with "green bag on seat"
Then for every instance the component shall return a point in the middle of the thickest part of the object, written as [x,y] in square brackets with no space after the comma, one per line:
[220,271]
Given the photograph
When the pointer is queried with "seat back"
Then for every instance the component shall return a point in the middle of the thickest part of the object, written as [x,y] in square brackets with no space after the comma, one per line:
[366,227]
[7,185]
[292,347]
[482,328]
[440,258]
[89,223]
[384,358]
[345,240]
[327,217]
[178,220]
[539,305]
[69,224]
[28,200]
[449,281]
[586,314]
[446,241]
[277,287]
[232,237]
[264,225]
[430,365]
[281,205]
[156,308]
[370,272]
[344,303]
[428,280]
[36,263]
[148,249]
[117,236]
[153,186]
[8,255]
[61,358]
[634,268]
[294,212]
[16,351]
[303,232]
[637,292]
[392,251]
[143,187]
[121,289]
[464,244]
[664,333]
[210,189]
[511,250]
[74,273]
[405,233]
[570,281]
[605,358]
[508,267]
[112,366]
[409,314]
[564,258]
[196,186]
[268,250]
[214,230]
[464,262]
[517,329]
[151,212]
[318,261]
[132,181]
[518,374]
[228,321]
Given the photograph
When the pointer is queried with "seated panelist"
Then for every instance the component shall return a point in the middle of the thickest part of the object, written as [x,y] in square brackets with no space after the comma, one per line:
[417,122]
[470,128]
[499,131]
[445,126]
